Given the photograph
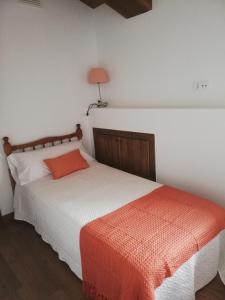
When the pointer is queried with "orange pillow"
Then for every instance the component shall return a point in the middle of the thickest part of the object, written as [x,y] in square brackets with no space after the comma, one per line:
[66,164]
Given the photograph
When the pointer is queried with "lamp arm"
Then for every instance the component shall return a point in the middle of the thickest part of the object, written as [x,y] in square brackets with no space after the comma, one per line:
[90,107]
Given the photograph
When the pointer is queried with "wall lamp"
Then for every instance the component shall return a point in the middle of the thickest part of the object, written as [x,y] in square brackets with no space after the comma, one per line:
[98,76]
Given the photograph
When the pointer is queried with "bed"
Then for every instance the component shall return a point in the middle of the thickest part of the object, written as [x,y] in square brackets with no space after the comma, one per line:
[59,209]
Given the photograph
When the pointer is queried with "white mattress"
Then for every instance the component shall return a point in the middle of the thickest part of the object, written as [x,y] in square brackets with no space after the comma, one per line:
[58,209]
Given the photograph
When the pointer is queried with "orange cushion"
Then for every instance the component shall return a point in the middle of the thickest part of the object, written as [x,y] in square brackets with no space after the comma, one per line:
[66,164]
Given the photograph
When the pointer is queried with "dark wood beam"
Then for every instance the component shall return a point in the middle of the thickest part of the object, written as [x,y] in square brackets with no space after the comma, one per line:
[93,3]
[127,8]
[130,8]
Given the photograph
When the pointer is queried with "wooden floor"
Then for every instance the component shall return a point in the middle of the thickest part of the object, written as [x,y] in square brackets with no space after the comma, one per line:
[31,270]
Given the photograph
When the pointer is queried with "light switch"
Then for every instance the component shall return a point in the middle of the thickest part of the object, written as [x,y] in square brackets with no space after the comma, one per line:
[200,85]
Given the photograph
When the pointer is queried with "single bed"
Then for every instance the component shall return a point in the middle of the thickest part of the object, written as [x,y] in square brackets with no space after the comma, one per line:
[59,209]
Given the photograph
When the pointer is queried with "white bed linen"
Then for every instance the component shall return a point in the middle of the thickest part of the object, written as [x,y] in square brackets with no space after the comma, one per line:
[58,209]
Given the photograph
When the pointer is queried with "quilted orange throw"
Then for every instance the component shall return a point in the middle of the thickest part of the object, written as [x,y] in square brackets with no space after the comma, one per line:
[128,253]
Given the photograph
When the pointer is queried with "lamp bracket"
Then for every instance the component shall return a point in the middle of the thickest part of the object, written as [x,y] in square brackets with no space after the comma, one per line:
[99,104]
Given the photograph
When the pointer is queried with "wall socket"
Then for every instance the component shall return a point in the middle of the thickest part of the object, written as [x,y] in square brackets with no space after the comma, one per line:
[200,85]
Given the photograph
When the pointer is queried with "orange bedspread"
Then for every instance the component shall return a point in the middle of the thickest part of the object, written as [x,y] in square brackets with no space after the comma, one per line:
[128,253]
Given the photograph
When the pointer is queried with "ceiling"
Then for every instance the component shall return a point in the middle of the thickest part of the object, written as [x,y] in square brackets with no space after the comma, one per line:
[127,8]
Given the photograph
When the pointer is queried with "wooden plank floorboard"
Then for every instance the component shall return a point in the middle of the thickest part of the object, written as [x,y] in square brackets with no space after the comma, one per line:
[31,270]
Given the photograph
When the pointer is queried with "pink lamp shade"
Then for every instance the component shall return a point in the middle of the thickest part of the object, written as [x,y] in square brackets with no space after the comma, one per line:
[98,75]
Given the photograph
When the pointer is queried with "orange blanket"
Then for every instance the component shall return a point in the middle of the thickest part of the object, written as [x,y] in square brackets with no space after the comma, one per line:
[128,253]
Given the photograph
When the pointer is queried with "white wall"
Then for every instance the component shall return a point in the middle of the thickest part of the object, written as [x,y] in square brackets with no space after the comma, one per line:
[153,59]
[44,57]
[190,144]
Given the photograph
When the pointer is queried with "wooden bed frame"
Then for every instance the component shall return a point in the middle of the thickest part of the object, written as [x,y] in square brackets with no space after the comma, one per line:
[37,144]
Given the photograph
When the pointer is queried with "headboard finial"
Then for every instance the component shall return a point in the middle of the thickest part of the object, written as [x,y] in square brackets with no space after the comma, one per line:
[6,139]
[7,146]
[79,133]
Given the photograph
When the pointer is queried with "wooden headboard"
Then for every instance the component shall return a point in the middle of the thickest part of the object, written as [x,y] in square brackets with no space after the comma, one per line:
[132,152]
[41,143]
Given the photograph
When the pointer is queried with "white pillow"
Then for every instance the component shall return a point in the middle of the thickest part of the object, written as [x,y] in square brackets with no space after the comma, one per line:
[29,166]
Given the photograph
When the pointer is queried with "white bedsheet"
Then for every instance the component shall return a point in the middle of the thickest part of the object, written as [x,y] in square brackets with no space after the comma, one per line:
[58,209]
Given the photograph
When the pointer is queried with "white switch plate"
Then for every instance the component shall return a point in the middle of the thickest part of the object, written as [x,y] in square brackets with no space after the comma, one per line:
[200,85]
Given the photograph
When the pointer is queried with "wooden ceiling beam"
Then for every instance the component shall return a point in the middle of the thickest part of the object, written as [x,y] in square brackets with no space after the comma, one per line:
[93,3]
[130,8]
[127,8]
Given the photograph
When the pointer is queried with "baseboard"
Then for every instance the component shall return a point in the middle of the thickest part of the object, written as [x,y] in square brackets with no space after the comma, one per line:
[7,218]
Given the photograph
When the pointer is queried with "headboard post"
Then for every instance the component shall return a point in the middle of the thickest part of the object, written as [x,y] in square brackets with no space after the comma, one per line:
[8,150]
[7,146]
[79,133]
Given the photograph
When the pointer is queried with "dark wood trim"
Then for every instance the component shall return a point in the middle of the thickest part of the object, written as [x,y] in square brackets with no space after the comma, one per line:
[126,134]
[119,145]
[35,145]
